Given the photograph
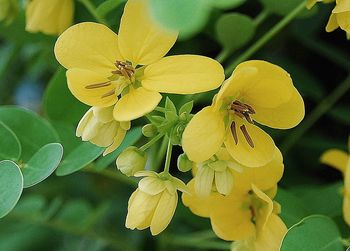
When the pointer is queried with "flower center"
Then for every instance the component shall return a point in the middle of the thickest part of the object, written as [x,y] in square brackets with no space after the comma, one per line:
[124,69]
[243,111]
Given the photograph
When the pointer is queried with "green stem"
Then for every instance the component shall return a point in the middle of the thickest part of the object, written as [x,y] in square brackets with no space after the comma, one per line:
[264,39]
[223,55]
[158,156]
[259,19]
[151,142]
[160,109]
[317,113]
[168,156]
[91,8]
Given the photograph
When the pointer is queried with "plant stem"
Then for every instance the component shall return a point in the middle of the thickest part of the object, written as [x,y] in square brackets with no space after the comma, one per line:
[151,142]
[259,19]
[168,157]
[160,109]
[223,55]
[91,8]
[317,113]
[264,39]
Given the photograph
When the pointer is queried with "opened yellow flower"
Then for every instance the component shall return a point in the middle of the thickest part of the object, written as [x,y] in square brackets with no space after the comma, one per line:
[340,17]
[129,70]
[341,161]
[49,17]
[258,92]
[100,128]
[154,202]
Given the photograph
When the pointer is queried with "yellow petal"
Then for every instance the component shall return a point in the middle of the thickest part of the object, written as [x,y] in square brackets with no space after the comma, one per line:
[343,20]
[84,122]
[141,40]
[336,158]
[78,79]
[224,182]
[103,114]
[164,212]
[151,185]
[50,17]
[184,74]
[203,181]
[259,155]
[346,209]
[118,139]
[341,6]
[265,209]
[265,177]
[136,103]
[270,238]
[88,46]
[204,135]
[332,23]
[105,134]
[231,219]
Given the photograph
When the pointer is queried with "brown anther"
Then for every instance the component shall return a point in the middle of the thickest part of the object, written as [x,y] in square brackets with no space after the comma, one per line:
[234,132]
[242,110]
[124,69]
[107,94]
[247,136]
[98,85]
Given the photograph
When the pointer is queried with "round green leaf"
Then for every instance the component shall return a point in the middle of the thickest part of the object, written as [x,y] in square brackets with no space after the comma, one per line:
[11,186]
[234,30]
[9,144]
[188,18]
[81,156]
[32,131]
[59,103]
[42,164]
[313,233]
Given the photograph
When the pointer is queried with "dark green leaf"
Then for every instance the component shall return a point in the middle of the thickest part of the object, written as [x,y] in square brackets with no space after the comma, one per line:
[107,6]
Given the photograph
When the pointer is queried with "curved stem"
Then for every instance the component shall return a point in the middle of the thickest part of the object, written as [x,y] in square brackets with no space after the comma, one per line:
[168,156]
[91,8]
[259,19]
[223,55]
[264,39]
[151,142]
[317,113]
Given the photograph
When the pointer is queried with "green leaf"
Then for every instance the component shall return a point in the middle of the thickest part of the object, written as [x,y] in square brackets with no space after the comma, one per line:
[80,157]
[107,6]
[234,30]
[32,131]
[66,132]
[42,164]
[224,4]
[189,17]
[59,103]
[9,144]
[187,108]
[130,139]
[313,233]
[11,186]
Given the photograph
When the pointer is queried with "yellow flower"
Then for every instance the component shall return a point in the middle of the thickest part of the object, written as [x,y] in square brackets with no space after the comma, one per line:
[129,70]
[154,202]
[340,17]
[100,128]
[341,161]
[49,17]
[258,92]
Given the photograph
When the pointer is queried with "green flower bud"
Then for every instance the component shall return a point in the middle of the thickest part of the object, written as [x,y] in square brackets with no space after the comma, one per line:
[131,160]
[149,130]
[183,163]
[8,10]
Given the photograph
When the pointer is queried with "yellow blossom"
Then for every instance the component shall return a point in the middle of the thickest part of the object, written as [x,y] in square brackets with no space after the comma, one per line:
[129,70]
[340,17]
[100,128]
[257,91]
[49,17]
[341,161]
[154,202]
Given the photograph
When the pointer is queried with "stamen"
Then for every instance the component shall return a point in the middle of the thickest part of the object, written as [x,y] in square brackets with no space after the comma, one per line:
[247,136]
[98,85]
[124,68]
[234,132]
[107,94]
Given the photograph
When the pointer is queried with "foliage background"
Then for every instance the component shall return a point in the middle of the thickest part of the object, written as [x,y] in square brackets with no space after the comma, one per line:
[86,210]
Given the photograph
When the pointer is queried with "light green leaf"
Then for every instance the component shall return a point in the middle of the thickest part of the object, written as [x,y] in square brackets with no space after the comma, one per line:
[313,233]
[107,6]
[59,103]
[42,164]
[80,157]
[32,131]
[234,30]
[9,144]
[11,186]
[224,4]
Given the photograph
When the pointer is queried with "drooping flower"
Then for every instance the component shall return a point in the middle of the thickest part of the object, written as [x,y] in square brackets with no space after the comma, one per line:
[154,202]
[257,91]
[50,17]
[100,128]
[131,161]
[340,17]
[341,161]
[129,70]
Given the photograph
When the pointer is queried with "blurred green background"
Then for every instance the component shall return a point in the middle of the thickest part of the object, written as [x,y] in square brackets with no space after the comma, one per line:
[86,210]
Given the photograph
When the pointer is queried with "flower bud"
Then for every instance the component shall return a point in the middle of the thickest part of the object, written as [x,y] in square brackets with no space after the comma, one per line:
[131,160]
[149,130]
[183,163]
